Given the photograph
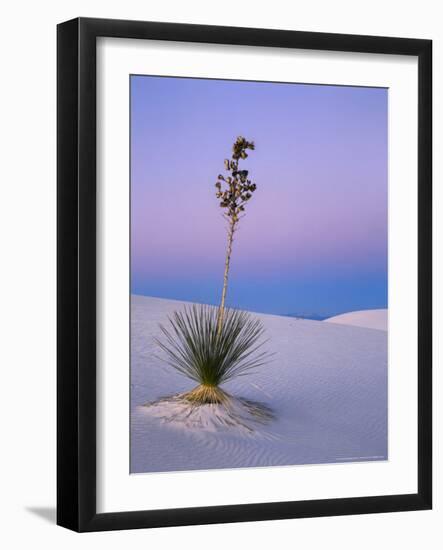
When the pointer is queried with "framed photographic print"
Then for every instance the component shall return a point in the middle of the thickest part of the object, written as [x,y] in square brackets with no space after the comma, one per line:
[244,274]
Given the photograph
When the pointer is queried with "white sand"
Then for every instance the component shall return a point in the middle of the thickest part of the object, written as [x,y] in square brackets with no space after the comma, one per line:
[327,386]
[371,318]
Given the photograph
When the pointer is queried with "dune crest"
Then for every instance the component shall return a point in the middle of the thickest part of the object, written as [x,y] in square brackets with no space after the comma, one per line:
[369,318]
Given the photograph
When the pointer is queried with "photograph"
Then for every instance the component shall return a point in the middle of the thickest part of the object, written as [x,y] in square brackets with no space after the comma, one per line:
[220,285]
[259,274]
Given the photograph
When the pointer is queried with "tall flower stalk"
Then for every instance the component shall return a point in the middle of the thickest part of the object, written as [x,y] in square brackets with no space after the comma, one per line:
[234,191]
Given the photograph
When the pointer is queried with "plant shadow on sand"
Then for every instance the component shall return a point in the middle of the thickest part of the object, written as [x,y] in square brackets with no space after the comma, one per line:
[234,414]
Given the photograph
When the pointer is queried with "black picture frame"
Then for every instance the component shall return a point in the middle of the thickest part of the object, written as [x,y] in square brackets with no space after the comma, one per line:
[76,282]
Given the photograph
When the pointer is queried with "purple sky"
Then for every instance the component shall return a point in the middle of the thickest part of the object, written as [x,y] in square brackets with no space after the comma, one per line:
[314,239]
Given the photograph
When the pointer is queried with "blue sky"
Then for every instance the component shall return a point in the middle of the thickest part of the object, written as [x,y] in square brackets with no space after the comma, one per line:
[314,238]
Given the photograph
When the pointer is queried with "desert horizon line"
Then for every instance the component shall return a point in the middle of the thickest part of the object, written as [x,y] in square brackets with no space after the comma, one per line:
[307,315]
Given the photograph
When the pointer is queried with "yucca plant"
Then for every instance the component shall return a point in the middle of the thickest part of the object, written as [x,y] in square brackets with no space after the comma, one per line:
[198,349]
[207,344]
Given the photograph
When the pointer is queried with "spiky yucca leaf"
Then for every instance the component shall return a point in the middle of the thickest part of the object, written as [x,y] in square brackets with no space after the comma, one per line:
[195,348]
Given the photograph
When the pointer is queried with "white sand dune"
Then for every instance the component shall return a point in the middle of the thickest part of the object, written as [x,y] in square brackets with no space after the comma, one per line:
[326,385]
[371,318]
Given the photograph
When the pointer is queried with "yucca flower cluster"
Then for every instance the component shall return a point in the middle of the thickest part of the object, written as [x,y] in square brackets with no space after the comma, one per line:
[236,189]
